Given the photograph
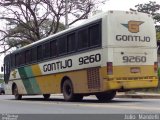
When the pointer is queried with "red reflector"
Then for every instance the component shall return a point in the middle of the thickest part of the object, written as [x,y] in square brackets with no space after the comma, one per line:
[155,66]
[109,68]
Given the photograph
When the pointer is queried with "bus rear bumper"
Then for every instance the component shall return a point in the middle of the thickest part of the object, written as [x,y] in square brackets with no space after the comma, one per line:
[130,84]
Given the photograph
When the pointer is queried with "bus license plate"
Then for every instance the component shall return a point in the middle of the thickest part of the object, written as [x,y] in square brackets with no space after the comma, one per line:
[135,70]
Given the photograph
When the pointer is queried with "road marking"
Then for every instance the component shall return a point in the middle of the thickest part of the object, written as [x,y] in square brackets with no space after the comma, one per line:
[147,108]
[82,104]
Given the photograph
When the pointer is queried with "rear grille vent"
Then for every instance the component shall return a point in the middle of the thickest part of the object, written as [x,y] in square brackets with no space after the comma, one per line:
[93,78]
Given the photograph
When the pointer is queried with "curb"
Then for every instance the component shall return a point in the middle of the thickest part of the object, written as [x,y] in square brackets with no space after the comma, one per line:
[144,96]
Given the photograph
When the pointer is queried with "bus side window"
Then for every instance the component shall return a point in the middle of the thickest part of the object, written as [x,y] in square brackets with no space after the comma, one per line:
[17,59]
[62,45]
[39,53]
[27,56]
[34,54]
[83,39]
[71,42]
[53,46]
[46,51]
[94,35]
[22,58]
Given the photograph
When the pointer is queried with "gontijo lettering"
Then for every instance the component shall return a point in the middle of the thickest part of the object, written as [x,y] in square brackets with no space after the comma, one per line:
[133,38]
[57,65]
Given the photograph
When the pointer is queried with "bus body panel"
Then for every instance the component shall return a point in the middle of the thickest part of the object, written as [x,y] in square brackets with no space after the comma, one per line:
[46,77]
[134,56]
[121,80]
[131,47]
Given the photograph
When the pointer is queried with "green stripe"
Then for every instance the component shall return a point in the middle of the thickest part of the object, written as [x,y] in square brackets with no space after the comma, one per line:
[30,84]
[25,81]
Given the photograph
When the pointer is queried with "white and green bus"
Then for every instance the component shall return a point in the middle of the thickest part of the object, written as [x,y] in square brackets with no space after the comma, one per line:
[112,51]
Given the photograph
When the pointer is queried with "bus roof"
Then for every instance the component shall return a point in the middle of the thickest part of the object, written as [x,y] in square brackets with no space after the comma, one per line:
[93,18]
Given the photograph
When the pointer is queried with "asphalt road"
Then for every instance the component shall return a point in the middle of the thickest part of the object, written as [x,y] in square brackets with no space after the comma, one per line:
[90,105]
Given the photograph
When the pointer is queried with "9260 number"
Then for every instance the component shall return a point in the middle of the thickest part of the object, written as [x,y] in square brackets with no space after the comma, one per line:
[89,59]
[134,59]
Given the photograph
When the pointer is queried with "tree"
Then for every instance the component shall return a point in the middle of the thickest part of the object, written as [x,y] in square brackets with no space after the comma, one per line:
[19,36]
[151,8]
[30,20]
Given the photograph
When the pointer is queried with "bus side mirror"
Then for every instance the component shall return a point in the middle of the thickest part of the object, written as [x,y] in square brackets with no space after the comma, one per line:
[2,69]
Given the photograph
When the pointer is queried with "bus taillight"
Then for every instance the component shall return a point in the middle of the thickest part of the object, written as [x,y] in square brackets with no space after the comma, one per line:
[109,68]
[155,66]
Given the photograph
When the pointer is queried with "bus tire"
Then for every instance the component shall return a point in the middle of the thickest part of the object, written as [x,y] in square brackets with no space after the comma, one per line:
[78,97]
[106,96]
[2,93]
[16,94]
[46,96]
[68,92]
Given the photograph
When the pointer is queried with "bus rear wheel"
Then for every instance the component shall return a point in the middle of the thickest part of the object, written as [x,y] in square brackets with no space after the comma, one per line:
[68,92]
[46,96]
[106,96]
[2,93]
[16,94]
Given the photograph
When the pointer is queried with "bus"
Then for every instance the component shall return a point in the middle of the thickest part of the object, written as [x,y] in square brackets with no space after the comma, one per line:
[112,51]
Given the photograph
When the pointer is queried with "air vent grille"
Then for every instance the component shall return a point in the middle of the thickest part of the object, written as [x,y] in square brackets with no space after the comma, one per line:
[93,78]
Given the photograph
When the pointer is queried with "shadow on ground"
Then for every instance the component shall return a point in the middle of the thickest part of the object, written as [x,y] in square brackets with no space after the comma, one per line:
[61,100]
